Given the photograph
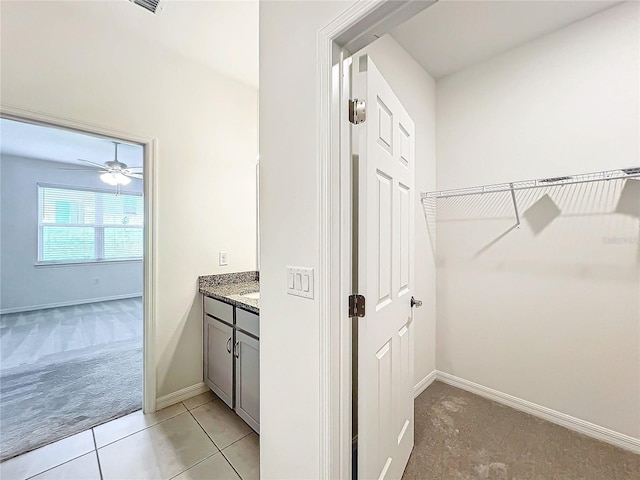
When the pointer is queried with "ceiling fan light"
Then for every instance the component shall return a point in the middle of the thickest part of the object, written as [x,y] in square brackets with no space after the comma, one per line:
[122,179]
[109,178]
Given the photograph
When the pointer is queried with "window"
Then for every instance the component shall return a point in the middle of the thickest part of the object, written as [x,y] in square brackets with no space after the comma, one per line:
[85,225]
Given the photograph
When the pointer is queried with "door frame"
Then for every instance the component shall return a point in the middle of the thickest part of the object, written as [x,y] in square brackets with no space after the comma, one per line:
[359,25]
[149,258]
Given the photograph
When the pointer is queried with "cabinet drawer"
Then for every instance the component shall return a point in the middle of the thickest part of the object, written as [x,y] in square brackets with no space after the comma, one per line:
[249,322]
[220,310]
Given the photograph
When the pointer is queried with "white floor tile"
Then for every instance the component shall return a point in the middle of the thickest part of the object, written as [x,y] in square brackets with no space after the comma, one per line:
[213,468]
[82,468]
[156,453]
[221,423]
[244,456]
[198,400]
[132,423]
[47,457]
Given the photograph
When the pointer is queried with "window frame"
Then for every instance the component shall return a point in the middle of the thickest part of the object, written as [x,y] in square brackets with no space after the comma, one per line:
[98,227]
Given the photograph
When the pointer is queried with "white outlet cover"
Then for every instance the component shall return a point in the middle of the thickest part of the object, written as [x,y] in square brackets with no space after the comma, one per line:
[223,258]
[300,281]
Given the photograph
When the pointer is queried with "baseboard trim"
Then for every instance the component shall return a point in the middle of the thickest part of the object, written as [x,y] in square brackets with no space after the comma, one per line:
[180,395]
[68,304]
[572,423]
[423,384]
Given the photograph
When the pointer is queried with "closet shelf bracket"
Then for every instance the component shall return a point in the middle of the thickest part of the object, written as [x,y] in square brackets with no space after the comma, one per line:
[515,205]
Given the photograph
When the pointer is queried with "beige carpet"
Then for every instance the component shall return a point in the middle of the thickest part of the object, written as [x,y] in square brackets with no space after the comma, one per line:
[44,402]
[460,435]
[64,370]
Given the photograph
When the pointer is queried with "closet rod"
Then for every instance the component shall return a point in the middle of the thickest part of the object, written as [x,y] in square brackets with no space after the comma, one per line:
[620,174]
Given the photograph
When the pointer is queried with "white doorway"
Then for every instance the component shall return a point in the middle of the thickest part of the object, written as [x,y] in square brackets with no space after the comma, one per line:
[108,313]
[354,28]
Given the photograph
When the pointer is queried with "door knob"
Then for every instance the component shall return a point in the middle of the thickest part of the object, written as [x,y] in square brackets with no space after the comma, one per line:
[415,303]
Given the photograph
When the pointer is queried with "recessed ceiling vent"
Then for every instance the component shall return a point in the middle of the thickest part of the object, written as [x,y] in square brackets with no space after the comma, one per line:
[154,6]
[631,171]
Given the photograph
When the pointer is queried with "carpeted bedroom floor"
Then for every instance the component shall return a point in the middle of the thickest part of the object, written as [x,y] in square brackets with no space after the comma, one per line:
[462,436]
[64,370]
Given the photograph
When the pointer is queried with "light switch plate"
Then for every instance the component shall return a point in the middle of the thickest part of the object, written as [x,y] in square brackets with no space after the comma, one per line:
[223,258]
[300,281]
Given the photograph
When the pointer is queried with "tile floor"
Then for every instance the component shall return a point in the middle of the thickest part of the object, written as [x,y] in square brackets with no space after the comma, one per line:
[198,439]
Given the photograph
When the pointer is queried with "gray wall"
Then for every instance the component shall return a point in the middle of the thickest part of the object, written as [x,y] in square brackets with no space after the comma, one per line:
[26,286]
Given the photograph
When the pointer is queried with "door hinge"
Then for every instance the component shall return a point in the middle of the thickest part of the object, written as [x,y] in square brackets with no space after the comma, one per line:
[357,111]
[356,306]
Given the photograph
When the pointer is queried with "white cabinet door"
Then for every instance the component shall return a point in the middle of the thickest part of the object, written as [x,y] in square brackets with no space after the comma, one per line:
[386,198]
[247,351]
[218,359]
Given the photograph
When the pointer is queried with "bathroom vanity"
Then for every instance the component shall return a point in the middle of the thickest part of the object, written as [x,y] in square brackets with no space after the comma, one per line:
[231,341]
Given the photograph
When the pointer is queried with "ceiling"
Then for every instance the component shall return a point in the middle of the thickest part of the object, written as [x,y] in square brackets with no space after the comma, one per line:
[452,35]
[222,35]
[54,144]
[219,34]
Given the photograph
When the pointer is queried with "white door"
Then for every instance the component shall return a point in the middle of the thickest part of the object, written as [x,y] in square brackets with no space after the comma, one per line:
[384,146]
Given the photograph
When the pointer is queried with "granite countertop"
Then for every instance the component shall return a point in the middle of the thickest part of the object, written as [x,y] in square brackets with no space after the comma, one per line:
[230,288]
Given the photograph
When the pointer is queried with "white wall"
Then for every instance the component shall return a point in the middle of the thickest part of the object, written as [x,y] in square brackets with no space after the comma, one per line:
[567,99]
[289,442]
[289,395]
[416,90]
[58,58]
[550,316]
[27,286]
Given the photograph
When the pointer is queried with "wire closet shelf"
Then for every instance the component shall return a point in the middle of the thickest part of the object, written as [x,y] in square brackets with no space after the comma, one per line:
[512,187]
[621,174]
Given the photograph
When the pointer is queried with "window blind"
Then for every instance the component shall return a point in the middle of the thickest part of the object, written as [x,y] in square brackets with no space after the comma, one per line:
[88,225]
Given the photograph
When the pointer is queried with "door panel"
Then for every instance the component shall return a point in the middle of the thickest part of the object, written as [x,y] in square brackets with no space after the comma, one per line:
[404,196]
[218,359]
[384,228]
[404,362]
[385,272]
[248,380]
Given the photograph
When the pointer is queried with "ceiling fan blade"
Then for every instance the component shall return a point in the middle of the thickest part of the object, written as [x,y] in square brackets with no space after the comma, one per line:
[134,168]
[132,175]
[84,169]
[92,163]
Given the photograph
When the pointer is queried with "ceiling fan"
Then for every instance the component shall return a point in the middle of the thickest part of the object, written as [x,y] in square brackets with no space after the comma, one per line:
[113,172]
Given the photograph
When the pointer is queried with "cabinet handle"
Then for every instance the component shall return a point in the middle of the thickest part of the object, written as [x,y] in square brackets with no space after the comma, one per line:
[229,345]
[236,350]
